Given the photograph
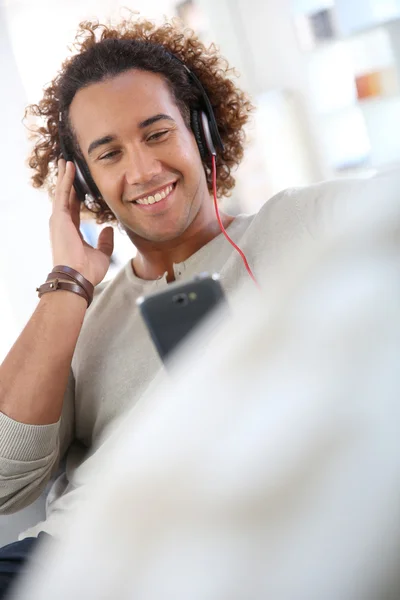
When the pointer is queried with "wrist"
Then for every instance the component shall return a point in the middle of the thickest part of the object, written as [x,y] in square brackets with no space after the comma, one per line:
[64,301]
[76,276]
[66,279]
[77,268]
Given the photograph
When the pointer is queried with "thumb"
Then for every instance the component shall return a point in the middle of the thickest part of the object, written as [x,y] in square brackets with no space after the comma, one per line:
[105,243]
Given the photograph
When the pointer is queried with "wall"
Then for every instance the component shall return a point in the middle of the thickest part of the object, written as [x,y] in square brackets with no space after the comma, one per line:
[259,38]
[43,25]
[24,248]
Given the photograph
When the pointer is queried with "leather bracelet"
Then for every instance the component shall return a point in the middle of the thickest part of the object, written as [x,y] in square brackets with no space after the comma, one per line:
[53,276]
[56,284]
[77,277]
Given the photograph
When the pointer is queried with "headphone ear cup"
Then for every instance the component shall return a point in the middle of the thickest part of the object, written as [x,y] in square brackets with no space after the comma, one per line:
[207,136]
[84,186]
[197,131]
[83,182]
[80,184]
[202,132]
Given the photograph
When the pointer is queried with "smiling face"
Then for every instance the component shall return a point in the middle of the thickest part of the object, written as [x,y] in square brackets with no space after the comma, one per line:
[142,156]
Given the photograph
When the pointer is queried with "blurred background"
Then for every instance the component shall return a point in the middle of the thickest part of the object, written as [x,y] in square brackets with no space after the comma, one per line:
[324,75]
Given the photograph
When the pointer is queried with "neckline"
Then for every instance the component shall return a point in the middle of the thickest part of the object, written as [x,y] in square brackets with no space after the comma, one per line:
[138,282]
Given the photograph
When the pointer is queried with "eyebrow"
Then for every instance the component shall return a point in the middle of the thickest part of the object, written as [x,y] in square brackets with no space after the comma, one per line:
[106,139]
[151,120]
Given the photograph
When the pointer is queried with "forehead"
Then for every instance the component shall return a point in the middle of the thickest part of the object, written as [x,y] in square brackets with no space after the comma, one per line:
[127,98]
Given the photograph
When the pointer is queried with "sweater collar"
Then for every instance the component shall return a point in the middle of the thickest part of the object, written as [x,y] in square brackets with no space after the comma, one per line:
[212,256]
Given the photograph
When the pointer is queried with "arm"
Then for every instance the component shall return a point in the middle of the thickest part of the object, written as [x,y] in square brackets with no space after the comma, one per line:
[34,375]
[326,209]
[30,454]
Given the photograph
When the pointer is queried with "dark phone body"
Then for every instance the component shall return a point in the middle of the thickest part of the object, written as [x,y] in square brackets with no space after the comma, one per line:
[172,314]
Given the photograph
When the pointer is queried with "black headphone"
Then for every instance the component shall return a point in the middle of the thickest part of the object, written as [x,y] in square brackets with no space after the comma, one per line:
[203,125]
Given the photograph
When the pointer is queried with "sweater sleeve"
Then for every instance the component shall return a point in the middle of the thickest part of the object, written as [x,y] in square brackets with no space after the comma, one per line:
[326,209]
[30,454]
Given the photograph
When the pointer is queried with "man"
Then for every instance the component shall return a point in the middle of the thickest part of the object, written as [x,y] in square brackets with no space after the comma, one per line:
[123,110]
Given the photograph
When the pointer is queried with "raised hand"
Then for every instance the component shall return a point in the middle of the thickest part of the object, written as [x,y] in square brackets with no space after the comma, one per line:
[68,245]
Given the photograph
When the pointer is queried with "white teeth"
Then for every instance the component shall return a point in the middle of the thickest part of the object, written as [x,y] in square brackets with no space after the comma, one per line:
[159,196]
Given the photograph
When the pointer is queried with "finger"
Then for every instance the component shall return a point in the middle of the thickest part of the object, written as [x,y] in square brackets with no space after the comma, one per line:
[61,164]
[75,208]
[64,185]
[60,174]
[105,243]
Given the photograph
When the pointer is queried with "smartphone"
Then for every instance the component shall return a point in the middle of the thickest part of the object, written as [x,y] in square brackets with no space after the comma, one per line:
[170,315]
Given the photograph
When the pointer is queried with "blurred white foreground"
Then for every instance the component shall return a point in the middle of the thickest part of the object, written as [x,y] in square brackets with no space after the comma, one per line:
[269,465]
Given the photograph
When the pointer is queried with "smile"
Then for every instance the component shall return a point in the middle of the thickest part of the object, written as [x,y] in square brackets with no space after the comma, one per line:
[154,199]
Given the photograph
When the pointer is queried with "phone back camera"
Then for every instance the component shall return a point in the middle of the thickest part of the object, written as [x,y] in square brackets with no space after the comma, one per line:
[180,299]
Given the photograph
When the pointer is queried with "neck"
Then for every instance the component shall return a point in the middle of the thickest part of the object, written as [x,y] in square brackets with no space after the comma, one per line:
[153,259]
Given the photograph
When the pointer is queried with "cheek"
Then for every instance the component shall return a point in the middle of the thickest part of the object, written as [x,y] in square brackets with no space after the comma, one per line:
[186,155]
[110,184]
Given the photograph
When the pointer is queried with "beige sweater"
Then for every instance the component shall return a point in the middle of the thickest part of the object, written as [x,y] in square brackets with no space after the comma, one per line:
[115,362]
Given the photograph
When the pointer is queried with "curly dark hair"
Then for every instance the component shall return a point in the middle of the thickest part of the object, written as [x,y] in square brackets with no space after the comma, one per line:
[103,51]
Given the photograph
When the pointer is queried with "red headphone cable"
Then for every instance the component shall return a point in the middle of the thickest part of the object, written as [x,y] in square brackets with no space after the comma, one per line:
[246,264]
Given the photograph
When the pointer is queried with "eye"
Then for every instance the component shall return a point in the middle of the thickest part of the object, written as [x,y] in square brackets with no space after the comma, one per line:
[109,155]
[157,136]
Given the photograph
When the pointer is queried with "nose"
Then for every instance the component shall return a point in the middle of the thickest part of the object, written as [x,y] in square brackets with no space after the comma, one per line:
[141,166]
